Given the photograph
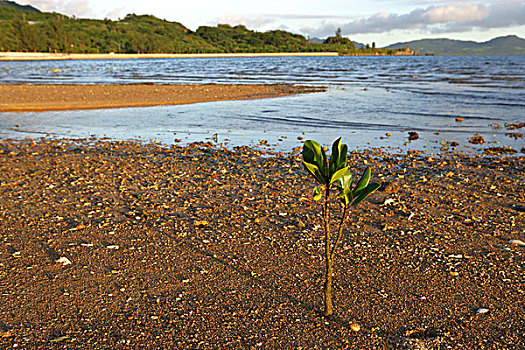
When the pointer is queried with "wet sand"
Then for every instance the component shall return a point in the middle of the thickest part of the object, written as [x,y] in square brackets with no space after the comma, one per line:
[126,245]
[38,98]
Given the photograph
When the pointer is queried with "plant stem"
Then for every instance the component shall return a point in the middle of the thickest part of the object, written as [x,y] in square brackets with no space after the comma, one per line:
[340,233]
[328,309]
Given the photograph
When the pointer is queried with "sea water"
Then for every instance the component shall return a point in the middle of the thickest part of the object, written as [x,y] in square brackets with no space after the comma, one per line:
[370,101]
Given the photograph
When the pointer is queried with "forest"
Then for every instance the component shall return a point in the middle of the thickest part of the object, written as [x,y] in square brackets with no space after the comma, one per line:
[26,29]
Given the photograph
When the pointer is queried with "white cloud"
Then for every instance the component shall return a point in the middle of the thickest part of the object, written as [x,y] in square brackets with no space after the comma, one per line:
[117,13]
[267,21]
[250,22]
[444,18]
[78,8]
[451,13]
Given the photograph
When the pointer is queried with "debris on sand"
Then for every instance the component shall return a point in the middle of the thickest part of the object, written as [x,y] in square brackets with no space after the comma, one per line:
[499,150]
[412,135]
[476,140]
[514,126]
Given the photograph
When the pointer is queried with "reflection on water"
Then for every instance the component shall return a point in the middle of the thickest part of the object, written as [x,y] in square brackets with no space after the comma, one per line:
[367,98]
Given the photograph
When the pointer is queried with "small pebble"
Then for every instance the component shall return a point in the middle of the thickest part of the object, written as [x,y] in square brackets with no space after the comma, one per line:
[520,207]
[389,187]
[59,339]
[6,334]
[388,201]
[355,327]
[412,135]
[477,140]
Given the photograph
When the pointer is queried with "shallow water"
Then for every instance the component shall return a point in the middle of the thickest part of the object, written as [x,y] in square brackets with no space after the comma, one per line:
[367,97]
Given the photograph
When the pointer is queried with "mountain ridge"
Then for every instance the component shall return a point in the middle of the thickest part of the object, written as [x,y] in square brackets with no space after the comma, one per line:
[8,3]
[509,44]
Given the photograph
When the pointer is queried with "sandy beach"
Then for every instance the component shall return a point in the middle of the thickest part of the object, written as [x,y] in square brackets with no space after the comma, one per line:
[112,244]
[37,98]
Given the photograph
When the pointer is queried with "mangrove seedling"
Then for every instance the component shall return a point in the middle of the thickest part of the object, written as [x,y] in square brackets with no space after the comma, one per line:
[331,174]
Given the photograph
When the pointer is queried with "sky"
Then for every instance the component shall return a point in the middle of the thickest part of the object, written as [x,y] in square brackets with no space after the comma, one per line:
[381,21]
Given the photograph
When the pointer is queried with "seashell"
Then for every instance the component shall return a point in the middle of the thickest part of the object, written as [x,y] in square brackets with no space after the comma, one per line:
[64,261]
[517,242]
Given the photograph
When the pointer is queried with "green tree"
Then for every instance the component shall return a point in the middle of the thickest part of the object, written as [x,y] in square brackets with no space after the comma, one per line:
[27,37]
[55,33]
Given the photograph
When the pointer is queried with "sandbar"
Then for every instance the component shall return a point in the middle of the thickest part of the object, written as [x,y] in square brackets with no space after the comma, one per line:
[39,98]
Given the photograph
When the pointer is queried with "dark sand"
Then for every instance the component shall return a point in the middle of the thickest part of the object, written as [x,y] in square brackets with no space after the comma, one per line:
[198,248]
[38,98]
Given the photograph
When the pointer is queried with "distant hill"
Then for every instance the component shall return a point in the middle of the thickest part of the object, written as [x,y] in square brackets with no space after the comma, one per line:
[6,3]
[505,45]
[25,28]
[316,40]
[359,46]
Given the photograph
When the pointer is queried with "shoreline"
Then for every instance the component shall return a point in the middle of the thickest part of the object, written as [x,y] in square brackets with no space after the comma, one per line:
[42,56]
[39,98]
[139,244]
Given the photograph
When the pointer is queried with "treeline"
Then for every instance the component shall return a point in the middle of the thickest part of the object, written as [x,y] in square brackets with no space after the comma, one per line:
[27,29]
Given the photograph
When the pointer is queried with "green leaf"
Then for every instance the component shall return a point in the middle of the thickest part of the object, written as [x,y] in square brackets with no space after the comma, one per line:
[345,195]
[367,191]
[342,156]
[314,171]
[338,156]
[339,174]
[334,157]
[317,193]
[345,181]
[363,182]
[314,154]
